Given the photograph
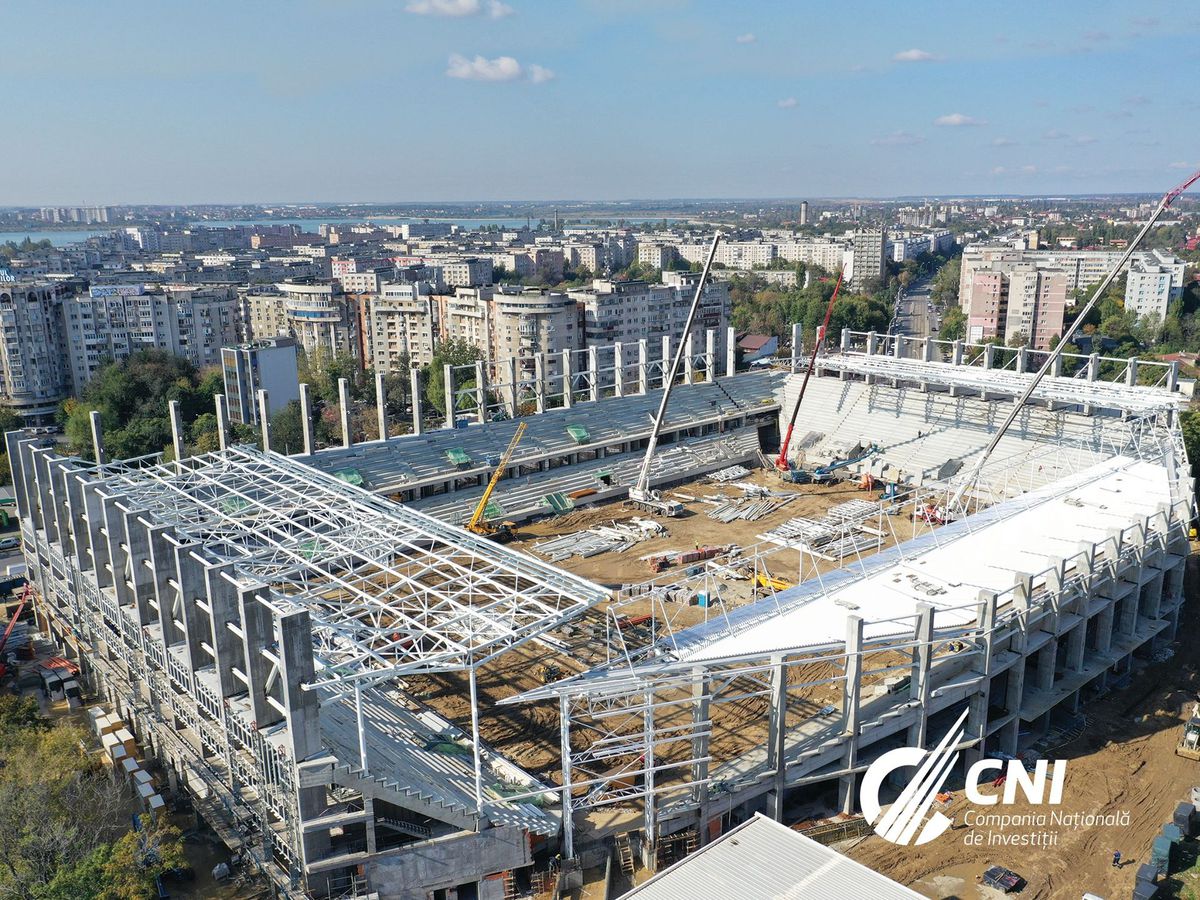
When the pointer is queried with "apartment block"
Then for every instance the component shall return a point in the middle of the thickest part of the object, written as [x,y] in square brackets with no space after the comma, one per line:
[398,327]
[34,376]
[266,365]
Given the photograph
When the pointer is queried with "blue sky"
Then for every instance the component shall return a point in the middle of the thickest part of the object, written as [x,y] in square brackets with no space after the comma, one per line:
[369,100]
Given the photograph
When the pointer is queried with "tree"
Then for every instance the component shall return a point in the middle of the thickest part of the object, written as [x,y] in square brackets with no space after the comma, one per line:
[141,856]
[455,352]
[287,429]
[1189,422]
[954,324]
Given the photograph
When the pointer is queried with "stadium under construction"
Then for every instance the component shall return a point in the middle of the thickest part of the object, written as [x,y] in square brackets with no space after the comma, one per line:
[341,676]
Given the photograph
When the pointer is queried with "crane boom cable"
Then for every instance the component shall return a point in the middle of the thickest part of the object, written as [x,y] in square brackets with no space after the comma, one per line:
[1056,353]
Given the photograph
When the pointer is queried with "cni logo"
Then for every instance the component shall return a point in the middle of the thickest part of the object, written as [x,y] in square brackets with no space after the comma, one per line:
[911,812]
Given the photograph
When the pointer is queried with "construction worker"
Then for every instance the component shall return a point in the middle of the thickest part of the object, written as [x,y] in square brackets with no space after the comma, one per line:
[1116,859]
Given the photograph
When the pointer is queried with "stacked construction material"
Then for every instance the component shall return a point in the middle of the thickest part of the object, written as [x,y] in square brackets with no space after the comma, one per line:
[841,532]
[615,537]
[659,562]
[730,473]
[749,508]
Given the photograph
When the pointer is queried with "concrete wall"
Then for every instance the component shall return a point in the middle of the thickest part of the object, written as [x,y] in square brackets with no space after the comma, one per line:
[411,872]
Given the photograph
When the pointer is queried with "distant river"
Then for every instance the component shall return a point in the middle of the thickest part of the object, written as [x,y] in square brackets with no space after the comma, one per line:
[62,238]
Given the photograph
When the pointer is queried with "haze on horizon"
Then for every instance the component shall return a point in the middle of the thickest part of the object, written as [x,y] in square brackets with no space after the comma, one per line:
[487,100]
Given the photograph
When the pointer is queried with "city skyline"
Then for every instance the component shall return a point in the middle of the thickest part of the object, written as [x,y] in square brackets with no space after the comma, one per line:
[458,100]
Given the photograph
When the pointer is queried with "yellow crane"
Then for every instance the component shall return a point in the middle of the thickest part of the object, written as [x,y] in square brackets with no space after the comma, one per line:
[500,531]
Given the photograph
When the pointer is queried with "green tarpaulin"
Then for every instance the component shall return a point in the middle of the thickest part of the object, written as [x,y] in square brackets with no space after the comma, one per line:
[458,456]
[578,433]
[350,476]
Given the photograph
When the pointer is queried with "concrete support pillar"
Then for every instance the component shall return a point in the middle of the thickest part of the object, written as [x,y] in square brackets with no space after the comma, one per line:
[643,366]
[222,421]
[981,666]
[927,349]
[1045,666]
[514,387]
[872,343]
[448,382]
[851,700]
[344,403]
[956,353]
[1131,371]
[539,382]
[1022,360]
[797,361]
[845,340]
[564,737]
[163,575]
[1056,367]
[381,405]
[689,360]
[222,593]
[898,346]
[568,376]
[920,684]
[666,358]
[97,545]
[618,369]
[257,634]
[264,419]
[141,579]
[481,390]
[701,726]
[98,436]
[177,444]
[306,423]
[730,351]
[418,414]
[1173,376]
[192,591]
[1093,367]
[989,356]
[1016,674]
[114,524]
[593,353]
[710,354]
[777,737]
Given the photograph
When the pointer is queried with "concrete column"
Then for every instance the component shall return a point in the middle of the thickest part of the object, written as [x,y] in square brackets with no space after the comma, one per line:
[1131,371]
[264,419]
[989,355]
[710,354]
[539,382]
[1045,659]
[927,349]
[344,404]
[222,421]
[567,376]
[797,347]
[956,353]
[594,367]
[514,387]
[306,425]
[898,346]
[418,414]
[777,736]
[190,578]
[481,391]
[222,595]
[97,545]
[303,711]
[257,634]
[1093,367]
[872,343]
[689,360]
[851,700]
[381,405]
[730,352]
[176,429]
[448,383]
[920,686]
[1022,360]
[666,358]
[618,369]
[1056,367]
[1173,376]
[643,364]
[980,700]
[701,696]
[163,575]
[141,578]
[845,340]
[98,437]
[114,525]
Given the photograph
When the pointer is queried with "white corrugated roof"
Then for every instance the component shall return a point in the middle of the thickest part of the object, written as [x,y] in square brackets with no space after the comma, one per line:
[763,860]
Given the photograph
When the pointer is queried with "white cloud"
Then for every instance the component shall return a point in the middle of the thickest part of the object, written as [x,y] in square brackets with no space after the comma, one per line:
[1184,165]
[913,55]
[746,38]
[957,120]
[1004,142]
[502,68]
[898,139]
[1022,170]
[787,103]
[457,9]
[1086,139]
[1055,134]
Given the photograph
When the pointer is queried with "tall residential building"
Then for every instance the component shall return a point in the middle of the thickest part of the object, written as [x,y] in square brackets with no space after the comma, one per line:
[1017,300]
[870,258]
[320,317]
[527,321]
[398,327]
[804,212]
[266,365]
[830,255]
[1154,282]
[34,376]
[115,321]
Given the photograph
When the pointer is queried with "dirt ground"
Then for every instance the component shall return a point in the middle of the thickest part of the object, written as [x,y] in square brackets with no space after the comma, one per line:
[1124,761]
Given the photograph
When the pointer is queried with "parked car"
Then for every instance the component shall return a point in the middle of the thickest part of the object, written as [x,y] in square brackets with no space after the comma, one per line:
[10,543]
[1004,880]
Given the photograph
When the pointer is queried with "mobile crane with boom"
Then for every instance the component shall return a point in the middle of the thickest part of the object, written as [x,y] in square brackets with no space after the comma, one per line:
[498,531]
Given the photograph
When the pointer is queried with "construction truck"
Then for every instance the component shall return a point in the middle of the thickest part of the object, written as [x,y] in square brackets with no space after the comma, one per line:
[641,494]
[826,474]
[1189,744]
[764,580]
[497,531]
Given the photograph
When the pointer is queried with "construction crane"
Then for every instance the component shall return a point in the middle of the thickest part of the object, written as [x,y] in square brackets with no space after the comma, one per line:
[12,625]
[781,463]
[641,494]
[499,531]
[968,483]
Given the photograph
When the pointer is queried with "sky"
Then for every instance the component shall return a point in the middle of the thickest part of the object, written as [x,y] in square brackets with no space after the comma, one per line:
[274,101]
